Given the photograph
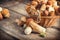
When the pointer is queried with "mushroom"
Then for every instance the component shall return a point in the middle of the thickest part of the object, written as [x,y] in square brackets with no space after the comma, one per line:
[43,7]
[34,3]
[18,22]
[21,21]
[51,9]
[5,13]
[1,17]
[35,26]
[0,9]
[23,18]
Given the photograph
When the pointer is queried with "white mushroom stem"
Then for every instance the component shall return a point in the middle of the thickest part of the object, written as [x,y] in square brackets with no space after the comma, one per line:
[37,27]
[28,30]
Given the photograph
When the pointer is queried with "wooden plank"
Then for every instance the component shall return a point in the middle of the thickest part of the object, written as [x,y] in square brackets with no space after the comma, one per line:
[9,4]
[9,26]
[19,8]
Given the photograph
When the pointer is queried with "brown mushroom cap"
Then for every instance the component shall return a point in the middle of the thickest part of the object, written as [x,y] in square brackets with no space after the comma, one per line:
[1,17]
[49,3]
[29,20]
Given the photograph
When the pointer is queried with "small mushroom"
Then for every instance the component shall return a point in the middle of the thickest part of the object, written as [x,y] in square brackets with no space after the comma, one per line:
[37,28]
[34,3]
[50,3]
[5,13]
[28,30]
[18,22]
[0,9]
[23,18]
[1,17]
[55,3]
[28,8]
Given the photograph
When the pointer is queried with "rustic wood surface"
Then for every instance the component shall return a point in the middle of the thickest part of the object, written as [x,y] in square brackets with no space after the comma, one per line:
[17,10]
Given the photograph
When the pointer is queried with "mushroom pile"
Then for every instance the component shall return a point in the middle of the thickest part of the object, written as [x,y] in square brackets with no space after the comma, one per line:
[36,10]
[30,25]
[39,8]
[4,13]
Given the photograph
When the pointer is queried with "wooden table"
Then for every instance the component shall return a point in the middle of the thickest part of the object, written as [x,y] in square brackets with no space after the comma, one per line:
[17,10]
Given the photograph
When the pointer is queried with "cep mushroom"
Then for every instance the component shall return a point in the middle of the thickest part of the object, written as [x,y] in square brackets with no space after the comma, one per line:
[21,21]
[35,26]
[23,18]
[18,22]
[1,17]
[5,13]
